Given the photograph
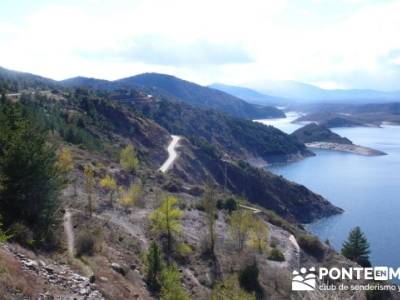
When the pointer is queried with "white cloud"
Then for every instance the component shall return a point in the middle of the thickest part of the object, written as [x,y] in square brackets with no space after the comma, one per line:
[232,41]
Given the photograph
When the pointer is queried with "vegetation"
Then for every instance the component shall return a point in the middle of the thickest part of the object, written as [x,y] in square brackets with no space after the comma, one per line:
[171,288]
[210,208]
[21,234]
[230,135]
[30,180]
[248,279]
[311,245]
[356,247]
[154,267]
[128,159]
[166,219]
[259,235]
[229,204]
[129,197]
[85,244]
[89,185]
[230,289]
[276,255]
[240,223]
[318,133]
[3,235]
[65,162]
[200,96]
[110,185]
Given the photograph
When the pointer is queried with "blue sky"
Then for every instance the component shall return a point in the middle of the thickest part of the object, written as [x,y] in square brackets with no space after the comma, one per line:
[332,44]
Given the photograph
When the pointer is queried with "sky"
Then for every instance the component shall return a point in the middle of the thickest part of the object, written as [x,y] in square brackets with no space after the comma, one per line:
[328,43]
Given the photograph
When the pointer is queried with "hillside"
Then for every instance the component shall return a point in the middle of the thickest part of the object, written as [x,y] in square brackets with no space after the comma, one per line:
[13,81]
[242,139]
[318,133]
[101,236]
[201,96]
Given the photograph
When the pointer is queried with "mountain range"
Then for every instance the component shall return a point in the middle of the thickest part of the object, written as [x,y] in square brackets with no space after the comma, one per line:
[287,92]
[184,91]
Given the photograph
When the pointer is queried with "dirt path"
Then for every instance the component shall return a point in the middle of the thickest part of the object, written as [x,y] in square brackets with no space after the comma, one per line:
[69,232]
[253,209]
[172,154]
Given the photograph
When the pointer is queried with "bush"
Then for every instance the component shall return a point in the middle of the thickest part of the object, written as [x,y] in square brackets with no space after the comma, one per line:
[229,204]
[3,235]
[248,279]
[85,244]
[184,249]
[21,234]
[311,245]
[230,289]
[276,255]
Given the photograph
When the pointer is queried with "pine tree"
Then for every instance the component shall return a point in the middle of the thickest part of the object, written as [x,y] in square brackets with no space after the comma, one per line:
[210,208]
[356,248]
[30,180]
[155,265]
[171,288]
[128,159]
[166,219]
[89,184]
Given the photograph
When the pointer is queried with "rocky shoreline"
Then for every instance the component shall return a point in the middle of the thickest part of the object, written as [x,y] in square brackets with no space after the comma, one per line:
[350,148]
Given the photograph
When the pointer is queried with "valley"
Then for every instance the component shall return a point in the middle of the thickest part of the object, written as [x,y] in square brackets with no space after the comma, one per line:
[129,160]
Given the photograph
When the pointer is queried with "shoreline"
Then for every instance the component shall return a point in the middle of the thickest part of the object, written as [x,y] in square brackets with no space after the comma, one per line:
[350,148]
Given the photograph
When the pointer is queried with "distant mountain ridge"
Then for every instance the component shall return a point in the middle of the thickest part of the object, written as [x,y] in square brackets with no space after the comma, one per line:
[182,90]
[201,96]
[302,92]
[247,94]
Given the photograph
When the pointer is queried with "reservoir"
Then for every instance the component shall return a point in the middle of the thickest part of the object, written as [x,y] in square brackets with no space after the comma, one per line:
[367,188]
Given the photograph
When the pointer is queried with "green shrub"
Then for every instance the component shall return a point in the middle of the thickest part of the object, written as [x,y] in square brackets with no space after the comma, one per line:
[229,204]
[85,244]
[311,245]
[21,234]
[248,279]
[183,249]
[276,255]
[154,267]
[3,235]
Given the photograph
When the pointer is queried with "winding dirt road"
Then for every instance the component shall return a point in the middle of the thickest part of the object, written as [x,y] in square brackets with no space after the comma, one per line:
[172,154]
[69,232]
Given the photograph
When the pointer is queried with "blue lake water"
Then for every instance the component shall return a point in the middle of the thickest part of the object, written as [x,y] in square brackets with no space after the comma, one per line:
[367,188]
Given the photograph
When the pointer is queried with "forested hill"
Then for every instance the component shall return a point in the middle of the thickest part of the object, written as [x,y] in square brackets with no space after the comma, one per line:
[318,133]
[240,138]
[204,97]
[12,81]
[184,91]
